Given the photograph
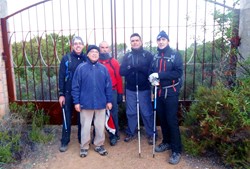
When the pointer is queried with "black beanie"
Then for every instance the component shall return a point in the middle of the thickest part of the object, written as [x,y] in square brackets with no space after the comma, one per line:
[90,47]
[162,34]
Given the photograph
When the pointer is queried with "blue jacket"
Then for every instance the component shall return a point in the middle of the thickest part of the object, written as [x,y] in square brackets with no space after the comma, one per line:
[135,67]
[91,86]
[169,65]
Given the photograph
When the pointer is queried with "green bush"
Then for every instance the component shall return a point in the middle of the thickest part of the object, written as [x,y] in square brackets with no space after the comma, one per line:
[219,121]
[39,119]
[16,134]
[9,142]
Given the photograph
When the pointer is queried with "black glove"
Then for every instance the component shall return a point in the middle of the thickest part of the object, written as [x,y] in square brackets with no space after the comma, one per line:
[119,98]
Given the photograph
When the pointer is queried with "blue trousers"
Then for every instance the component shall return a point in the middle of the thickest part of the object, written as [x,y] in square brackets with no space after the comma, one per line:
[167,113]
[146,111]
[114,113]
[69,106]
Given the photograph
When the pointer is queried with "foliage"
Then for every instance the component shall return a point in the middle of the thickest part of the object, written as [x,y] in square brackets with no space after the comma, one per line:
[219,121]
[23,111]
[38,121]
[9,142]
[17,138]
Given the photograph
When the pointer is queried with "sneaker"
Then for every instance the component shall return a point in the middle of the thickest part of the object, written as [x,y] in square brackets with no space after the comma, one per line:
[113,141]
[162,147]
[63,148]
[101,150]
[83,152]
[175,158]
[129,138]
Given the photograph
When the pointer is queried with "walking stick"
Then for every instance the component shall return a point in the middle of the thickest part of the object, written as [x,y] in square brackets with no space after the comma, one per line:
[138,120]
[64,118]
[155,93]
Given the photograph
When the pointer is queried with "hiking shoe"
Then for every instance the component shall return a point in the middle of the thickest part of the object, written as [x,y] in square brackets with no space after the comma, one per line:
[162,147]
[83,152]
[118,138]
[63,148]
[129,138]
[175,158]
[101,150]
[151,140]
[113,141]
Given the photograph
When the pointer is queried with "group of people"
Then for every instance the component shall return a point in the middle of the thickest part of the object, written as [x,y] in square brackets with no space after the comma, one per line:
[92,84]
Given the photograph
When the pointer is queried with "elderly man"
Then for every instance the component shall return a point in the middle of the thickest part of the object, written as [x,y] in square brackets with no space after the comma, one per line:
[92,95]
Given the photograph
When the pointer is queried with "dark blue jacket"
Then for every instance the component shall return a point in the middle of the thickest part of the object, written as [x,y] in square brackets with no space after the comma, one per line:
[135,67]
[169,65]
[67,70]
[91,86]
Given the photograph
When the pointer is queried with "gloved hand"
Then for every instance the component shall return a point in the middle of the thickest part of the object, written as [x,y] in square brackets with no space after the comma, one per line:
[153,77]
[119,98]
[155,82]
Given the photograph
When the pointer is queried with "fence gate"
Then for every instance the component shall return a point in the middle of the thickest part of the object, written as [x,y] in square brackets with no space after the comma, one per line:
[35,39]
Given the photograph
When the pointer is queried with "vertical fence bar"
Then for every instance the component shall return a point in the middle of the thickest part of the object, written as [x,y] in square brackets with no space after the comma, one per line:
[124,23]
[177,32]
[204,45]
[213,48]
[195,47]
[185,55]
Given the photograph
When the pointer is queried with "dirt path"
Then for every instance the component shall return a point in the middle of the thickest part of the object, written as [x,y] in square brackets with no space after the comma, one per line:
[122,156]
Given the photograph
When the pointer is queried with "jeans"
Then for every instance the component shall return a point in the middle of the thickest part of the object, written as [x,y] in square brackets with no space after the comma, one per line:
[146,111]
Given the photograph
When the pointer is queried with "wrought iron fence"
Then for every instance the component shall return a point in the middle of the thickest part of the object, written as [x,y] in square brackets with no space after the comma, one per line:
[36,38]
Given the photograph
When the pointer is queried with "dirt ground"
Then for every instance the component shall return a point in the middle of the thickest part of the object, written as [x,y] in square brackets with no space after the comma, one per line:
[122,156]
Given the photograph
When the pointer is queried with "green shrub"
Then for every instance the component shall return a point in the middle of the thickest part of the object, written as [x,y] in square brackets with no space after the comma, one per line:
[16,137]
[24,111]
[219,121]
[9,142]
[39,119]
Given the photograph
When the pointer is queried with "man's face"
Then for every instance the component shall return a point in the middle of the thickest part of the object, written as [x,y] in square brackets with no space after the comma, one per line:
[104,47]
[135,42]
[162,43]
[93,55]
[77,46]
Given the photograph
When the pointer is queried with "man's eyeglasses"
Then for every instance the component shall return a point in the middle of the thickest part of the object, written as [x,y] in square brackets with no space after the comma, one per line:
[77,43]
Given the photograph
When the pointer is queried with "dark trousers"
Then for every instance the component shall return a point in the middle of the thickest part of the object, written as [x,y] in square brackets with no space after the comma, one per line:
[167,113]
[69,107]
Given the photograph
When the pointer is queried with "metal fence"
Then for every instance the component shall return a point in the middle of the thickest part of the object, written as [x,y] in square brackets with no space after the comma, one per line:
[36,37]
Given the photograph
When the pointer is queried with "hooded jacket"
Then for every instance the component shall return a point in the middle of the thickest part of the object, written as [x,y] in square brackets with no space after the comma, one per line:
[135,67]
[91,86]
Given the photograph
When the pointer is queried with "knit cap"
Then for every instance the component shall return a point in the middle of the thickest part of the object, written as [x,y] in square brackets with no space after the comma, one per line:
[90,47]
[162,34]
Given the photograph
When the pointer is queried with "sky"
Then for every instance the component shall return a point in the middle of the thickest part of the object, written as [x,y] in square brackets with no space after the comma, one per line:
[141,10]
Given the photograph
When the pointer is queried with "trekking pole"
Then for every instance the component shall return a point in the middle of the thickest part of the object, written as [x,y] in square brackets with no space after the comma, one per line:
[155,93]
[138,119]
[64,118]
